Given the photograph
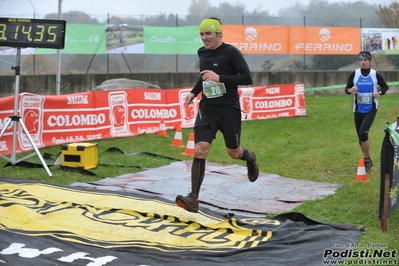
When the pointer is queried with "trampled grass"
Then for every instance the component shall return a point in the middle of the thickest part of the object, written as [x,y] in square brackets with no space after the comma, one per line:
[321,146]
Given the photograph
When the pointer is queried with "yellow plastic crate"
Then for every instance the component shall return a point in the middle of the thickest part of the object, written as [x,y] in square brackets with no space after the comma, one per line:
[80,155]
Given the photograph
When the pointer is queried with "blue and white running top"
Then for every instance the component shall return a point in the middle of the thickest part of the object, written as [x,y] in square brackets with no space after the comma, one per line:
[366,85]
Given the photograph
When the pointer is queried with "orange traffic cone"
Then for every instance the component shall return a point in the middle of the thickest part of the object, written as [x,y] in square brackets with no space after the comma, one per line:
[190,146]
[162,129]
[177,141]
[361,172]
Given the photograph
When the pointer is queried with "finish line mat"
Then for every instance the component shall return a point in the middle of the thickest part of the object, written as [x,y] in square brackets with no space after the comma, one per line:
[225,188]
[48,224]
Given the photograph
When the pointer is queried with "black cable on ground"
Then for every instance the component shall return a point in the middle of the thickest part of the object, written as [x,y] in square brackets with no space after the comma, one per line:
[81,170]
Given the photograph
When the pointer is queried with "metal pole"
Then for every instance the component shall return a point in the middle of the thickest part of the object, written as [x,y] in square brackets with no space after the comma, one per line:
[304,54]
[16,93]
[107,53]
[58,75]
[177,56]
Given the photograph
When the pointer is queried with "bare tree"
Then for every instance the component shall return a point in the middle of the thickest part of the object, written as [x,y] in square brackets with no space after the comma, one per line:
[200,7]
[389,15]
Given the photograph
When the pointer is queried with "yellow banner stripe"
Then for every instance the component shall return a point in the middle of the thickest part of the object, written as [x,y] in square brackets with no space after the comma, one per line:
[113,220]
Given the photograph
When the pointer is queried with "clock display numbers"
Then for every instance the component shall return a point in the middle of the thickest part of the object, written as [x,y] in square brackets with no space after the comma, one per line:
[40,33]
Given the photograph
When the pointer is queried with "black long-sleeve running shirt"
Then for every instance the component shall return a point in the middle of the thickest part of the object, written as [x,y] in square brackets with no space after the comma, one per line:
[228,62]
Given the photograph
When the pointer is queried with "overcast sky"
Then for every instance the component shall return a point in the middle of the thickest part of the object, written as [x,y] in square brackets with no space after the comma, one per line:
[26,8]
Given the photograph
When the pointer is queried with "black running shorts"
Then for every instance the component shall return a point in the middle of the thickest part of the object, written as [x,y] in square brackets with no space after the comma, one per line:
[212,118]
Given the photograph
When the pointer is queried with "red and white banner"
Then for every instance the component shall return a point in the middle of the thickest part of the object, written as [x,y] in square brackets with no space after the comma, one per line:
[58,119]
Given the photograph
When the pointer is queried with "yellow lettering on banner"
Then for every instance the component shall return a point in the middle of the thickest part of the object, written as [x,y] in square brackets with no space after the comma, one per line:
[108,220]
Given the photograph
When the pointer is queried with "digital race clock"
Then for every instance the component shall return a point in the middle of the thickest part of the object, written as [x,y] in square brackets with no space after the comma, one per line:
[25,32]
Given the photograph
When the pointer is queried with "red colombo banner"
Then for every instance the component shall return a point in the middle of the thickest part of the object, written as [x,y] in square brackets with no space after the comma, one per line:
[58,119]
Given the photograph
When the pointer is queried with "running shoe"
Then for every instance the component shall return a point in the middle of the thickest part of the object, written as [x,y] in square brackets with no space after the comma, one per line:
[368,163]
[189,203]
[253,169]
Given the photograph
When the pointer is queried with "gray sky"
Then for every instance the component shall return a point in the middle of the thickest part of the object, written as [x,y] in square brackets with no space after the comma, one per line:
[26,8]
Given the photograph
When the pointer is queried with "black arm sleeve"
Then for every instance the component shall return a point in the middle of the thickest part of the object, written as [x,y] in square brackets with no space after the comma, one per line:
[383,85]
[197,88]
[241,74]
[350,84]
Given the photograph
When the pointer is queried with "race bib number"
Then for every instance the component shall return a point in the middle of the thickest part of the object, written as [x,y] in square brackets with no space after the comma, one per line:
[364,98]
[213,89]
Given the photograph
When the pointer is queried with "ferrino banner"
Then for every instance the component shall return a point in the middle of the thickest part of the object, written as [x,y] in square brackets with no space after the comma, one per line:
[249,39]
[53,120]
[324,40]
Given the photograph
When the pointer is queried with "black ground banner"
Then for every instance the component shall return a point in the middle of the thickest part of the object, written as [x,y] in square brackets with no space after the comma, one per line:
[48,224]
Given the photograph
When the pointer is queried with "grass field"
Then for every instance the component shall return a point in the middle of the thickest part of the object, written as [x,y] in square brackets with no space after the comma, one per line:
[321,146]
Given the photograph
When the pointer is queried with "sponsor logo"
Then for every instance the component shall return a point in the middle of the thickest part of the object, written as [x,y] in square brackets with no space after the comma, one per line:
[274,90]
[32,114]
[282,103]
[20,250]
[324,45]
[75,120]
[325,35]
[251,35]
[188,111]
[153,113]
[246,102]
[31,119]
[157,96]
[77,99]
[118,114]
[158,39]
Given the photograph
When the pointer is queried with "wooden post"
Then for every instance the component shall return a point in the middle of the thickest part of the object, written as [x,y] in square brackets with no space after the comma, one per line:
[385,212]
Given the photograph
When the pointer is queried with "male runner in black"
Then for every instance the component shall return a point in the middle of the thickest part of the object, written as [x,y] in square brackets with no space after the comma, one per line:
[222,69]
[363,83]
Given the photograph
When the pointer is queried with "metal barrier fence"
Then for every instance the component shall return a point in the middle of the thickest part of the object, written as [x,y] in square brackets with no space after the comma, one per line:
[37,64]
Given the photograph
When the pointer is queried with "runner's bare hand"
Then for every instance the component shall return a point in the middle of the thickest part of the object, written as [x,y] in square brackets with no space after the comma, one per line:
[209,75]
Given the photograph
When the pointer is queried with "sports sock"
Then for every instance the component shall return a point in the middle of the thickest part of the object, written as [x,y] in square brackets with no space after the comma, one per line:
[197,175]
[246,157]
